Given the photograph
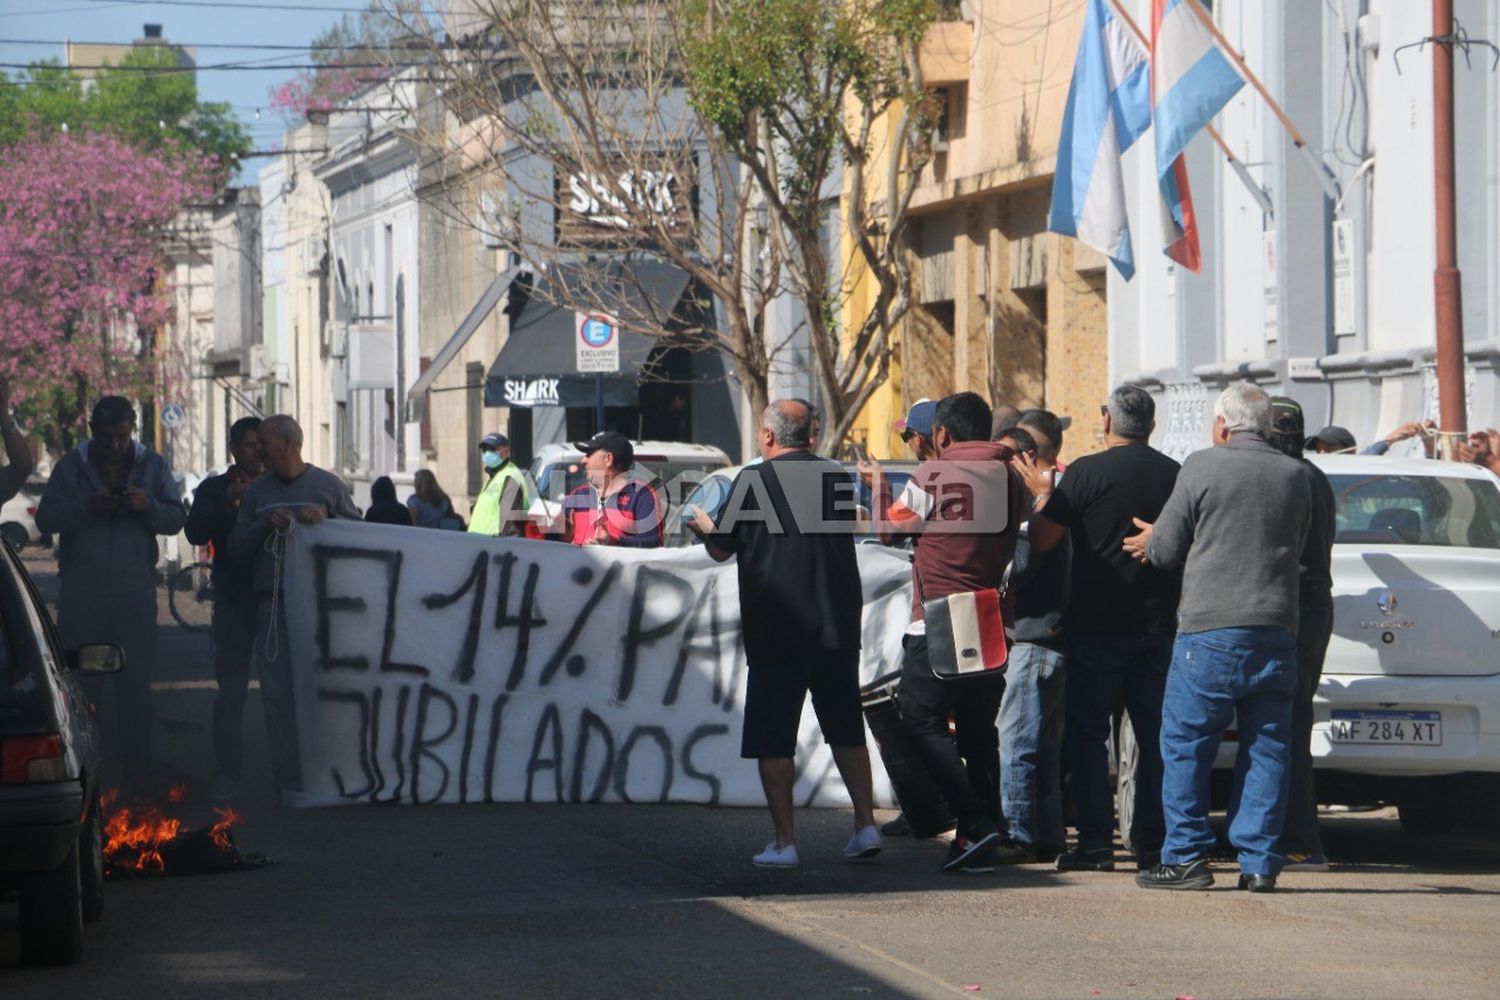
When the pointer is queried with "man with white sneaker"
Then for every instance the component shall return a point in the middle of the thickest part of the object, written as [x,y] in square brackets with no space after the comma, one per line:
[800,608]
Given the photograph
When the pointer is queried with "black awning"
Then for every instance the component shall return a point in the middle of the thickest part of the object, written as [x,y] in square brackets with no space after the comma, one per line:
[538,364]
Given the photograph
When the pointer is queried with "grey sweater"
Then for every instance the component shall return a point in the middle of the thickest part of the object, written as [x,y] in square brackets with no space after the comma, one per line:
[1238,518]
[100,555]
[315,487]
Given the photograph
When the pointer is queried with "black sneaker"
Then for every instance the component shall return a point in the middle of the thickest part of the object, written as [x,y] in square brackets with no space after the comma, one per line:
[1193,875]
[1257,883]
[1098,859]
[897,827]
[972,856]
[1008,852]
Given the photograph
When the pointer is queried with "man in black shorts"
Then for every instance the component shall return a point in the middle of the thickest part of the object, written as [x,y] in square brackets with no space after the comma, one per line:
[800,604]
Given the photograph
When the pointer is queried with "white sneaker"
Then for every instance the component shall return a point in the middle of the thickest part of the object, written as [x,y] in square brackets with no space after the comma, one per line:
[865,844]
[776,857]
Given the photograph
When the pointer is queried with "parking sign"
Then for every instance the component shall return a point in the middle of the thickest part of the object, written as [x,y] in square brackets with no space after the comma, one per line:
[598,343]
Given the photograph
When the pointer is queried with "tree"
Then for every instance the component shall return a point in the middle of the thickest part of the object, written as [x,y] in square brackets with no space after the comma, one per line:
[82,224]
[146,100]
[708,134]
[351,55]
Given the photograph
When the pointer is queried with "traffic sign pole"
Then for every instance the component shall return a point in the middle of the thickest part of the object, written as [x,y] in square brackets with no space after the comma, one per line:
[598,402]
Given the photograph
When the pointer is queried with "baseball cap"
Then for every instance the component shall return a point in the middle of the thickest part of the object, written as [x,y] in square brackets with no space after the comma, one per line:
[615,443]
[1286,417]
[1335,437]
[494,439]
[919,418]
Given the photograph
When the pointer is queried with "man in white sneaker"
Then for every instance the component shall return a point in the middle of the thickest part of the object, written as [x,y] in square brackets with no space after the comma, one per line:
[800,606]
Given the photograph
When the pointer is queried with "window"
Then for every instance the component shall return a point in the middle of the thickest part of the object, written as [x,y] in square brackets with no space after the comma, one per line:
[1417,510]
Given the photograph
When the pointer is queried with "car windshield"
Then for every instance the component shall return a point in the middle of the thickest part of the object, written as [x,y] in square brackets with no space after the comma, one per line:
[674,479]
[1417,510]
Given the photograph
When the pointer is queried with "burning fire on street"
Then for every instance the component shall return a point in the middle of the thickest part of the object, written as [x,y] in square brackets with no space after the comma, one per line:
[142,841]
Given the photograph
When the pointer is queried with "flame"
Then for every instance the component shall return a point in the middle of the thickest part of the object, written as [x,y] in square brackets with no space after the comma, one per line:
[133,838]
[220,830]
[135,834]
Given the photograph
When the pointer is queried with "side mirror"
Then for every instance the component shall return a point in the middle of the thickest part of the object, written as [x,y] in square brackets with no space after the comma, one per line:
[97,658]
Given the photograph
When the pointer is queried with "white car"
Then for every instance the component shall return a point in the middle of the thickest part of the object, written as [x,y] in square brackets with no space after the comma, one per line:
[1408,710]
[673,467]
[18,515]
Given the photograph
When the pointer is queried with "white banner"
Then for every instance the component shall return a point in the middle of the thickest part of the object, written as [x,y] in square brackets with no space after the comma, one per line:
[441,667]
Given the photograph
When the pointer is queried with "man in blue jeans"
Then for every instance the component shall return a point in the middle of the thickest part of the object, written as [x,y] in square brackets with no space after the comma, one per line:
[1119,623]
[1238,519]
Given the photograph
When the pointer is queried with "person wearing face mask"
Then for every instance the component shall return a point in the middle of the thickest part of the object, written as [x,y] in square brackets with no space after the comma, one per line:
[501,506]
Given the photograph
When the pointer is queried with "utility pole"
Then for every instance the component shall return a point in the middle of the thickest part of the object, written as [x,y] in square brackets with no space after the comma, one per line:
[1448,301]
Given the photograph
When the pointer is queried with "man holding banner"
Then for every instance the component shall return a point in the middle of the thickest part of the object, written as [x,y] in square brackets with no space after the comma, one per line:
[800,603]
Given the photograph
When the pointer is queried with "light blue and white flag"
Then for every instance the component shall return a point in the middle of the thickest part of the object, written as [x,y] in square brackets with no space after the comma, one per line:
[1109,106]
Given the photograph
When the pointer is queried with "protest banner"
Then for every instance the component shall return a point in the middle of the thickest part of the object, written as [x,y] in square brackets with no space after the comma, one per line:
[441,667]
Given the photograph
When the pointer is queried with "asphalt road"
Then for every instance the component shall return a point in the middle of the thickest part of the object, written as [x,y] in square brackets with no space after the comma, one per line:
[609,900]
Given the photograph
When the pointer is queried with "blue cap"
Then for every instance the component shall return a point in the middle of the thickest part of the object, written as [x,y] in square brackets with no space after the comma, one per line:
[919,418]
[495,440]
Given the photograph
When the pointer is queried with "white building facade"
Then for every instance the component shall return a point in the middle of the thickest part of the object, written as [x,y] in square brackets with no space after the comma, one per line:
[1329,297]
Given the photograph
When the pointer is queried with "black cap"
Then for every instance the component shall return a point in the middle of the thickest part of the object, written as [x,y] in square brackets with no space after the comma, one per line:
[617,444]
[1286,417]
[1337,438]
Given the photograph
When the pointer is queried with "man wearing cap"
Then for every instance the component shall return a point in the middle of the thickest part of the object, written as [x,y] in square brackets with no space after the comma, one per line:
[1331,440]
[612,508]
[916,429]
[501,506]
[1301,844]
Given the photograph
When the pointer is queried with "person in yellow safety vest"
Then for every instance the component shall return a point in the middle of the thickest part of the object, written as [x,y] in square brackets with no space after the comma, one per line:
[505,490]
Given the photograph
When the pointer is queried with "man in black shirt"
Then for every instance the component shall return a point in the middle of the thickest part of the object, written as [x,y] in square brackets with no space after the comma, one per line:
[1300,843]
[1122,617]
[790,523]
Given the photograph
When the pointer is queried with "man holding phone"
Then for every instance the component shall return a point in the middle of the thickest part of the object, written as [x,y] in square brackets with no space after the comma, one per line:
[107,500]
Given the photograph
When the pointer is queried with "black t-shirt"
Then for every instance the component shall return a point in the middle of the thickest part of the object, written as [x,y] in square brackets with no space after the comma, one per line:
[799,580]
[1096,500]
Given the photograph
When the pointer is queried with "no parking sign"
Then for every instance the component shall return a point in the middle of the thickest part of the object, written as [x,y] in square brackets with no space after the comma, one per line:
[598,343]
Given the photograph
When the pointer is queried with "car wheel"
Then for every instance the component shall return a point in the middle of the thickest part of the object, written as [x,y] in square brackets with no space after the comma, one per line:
[1127,755]
[52,914]
[91,864]
[15,535]
[1426,816]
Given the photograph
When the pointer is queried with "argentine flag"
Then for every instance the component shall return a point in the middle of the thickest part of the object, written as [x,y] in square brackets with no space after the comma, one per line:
[1109,106]
[1190,81]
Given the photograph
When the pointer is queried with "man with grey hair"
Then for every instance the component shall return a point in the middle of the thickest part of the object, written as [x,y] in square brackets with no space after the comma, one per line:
[1238,519]
[789,524]
[291,493]
[1119,622]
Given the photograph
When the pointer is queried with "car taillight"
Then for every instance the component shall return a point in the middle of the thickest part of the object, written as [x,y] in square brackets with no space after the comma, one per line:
[25,759]
[31,511]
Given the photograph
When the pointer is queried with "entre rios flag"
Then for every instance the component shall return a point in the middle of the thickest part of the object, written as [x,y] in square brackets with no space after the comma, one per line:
[1190,81]
[1109,106]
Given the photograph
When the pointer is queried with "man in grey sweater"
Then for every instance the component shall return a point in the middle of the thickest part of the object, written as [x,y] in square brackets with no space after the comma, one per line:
[107,501]
[291,493]
[1238,519]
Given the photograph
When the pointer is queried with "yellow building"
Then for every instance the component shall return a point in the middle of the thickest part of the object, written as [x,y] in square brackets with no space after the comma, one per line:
[1000,306]
[85,58]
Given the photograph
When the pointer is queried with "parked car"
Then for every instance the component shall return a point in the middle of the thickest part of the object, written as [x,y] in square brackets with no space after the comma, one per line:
[18,515]
[1408,711]
[673,467]
[51,828]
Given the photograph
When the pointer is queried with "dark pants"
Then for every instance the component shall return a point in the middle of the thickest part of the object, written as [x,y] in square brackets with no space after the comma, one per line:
[1315,626]
[1106,673]
[273,662]
[127,621]
[233,645]
[966,764]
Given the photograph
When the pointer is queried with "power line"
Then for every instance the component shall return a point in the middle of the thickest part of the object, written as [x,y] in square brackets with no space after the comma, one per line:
[254,6]
[202,45]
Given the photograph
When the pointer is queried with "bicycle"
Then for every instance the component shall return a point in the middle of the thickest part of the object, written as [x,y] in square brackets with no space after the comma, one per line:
[190,596]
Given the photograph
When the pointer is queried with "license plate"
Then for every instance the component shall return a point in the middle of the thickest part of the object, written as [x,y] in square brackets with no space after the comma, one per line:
[1413,729]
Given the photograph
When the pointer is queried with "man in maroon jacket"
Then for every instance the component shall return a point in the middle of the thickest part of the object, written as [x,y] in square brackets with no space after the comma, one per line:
[958,507]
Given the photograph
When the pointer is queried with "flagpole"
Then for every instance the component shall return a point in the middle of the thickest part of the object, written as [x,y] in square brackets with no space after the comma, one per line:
[1325,177]
[1241,171]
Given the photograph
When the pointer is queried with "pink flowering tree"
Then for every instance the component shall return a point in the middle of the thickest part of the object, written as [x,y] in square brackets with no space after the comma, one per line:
[83,222]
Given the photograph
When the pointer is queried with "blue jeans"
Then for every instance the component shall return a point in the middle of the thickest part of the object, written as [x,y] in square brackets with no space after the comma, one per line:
[1107,673]
[1031,733]
[1245,677]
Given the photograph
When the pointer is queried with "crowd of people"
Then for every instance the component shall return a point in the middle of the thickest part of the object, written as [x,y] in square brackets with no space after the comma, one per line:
[1185,597]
